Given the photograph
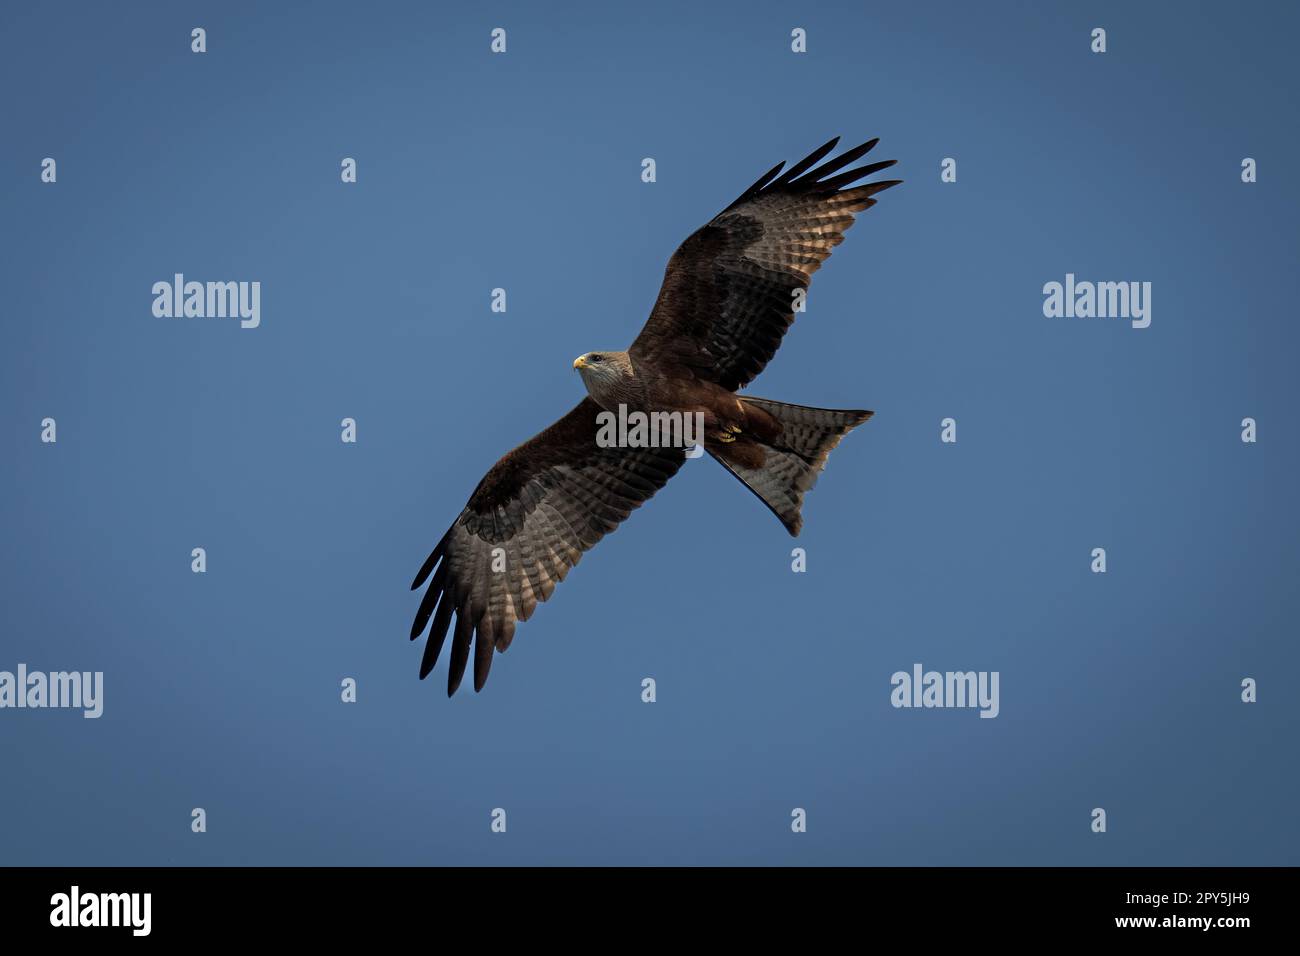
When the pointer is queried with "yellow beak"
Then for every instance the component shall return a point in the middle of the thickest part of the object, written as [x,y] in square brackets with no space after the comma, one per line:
[580,362]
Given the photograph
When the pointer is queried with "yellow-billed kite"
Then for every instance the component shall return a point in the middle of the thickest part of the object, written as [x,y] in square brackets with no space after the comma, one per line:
[728,296]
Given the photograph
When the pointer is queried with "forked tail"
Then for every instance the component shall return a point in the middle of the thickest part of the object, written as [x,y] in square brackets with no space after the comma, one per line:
[779,460]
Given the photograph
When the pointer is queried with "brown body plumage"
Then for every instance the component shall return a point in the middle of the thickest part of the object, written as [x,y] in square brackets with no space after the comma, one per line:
[727,299]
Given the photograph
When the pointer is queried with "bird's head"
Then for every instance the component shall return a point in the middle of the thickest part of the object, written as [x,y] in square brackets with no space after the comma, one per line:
[602,368]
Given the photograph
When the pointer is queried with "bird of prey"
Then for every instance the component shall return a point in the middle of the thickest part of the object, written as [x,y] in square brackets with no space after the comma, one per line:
[729,293]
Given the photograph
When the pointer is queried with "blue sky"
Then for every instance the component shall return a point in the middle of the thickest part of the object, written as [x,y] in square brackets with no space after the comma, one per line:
[522,171]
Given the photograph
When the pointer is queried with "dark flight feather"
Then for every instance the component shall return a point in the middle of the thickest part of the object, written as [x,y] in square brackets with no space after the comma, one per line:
[542,505]
[728,293]
[807,163]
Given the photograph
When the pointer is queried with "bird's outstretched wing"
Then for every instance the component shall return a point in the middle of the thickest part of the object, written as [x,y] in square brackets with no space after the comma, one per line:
[542,506]
[728,293]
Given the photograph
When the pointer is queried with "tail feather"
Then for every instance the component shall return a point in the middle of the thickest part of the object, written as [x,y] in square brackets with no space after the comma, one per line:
[779,468]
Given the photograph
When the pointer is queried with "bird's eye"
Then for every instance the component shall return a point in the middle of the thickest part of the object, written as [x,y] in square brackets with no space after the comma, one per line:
[595,358]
